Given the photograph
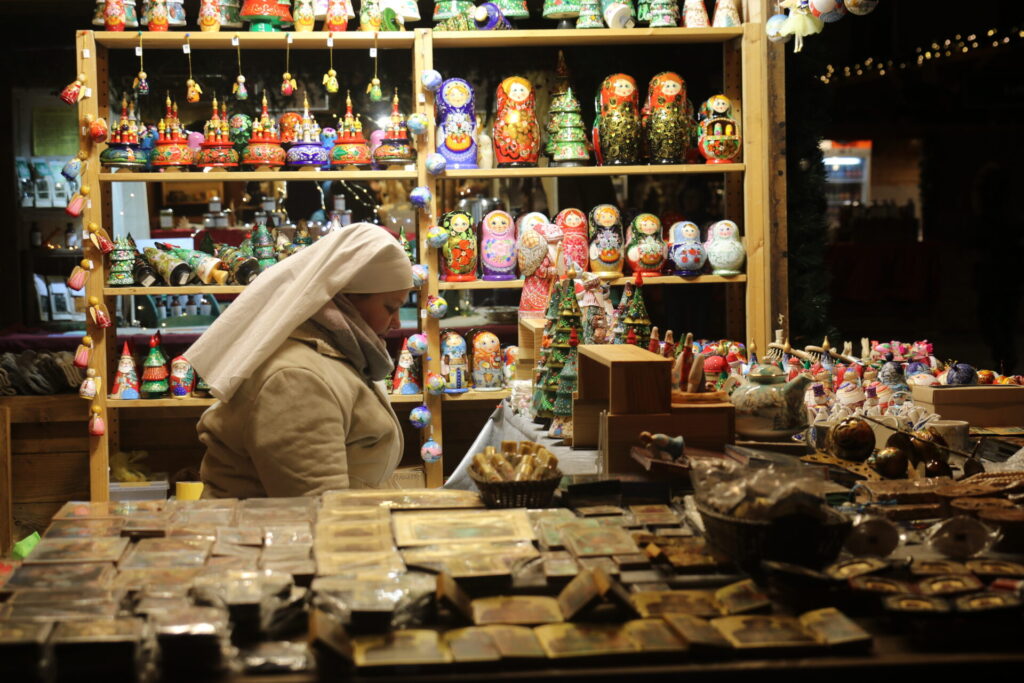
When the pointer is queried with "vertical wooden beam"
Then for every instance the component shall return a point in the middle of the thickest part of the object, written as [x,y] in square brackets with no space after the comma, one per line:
[778,215]
[732,204]
[422,60]
[6,483]
[92,62]
[755,187]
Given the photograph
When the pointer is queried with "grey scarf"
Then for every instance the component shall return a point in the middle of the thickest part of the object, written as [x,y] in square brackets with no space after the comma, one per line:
[354,338]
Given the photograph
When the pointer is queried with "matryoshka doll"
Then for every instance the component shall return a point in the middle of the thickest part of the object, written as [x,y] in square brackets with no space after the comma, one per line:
[456,122]
[617,126]
[718,131]
[406,378]
[458,256]
[183,377]
[516,131]
[645,247]
[606,242]
[454,362]
[538,248]
[724,249]
[667,124]
[488,371]
[685,250]
[498,246]
[573,223]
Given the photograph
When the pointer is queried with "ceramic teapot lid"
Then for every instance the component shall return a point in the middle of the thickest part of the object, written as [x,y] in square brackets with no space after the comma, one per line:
[766,374]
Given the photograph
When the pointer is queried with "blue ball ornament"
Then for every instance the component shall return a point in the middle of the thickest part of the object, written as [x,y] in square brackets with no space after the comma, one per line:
[430,451]
[435,384]
[418,344]
[773,28]
[420,271]
[421,197]
[419,417]
[436,164]
[437,236]
[431,80]
[437,306]
[417,123]
[961,373]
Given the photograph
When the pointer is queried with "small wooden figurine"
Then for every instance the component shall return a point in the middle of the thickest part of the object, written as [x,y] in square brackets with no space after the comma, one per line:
[719,132]
[454,362]
[209,16]
[488,374]
[456,121]
[617,126]
[645,247]
[459,254]
[90,385]
[97,426]
[498,246]
[606,241]
[183,377]
[687,253]
[516,131]
[667,119]
[538,247]
[405,379]
[338,14]
[573,223]
[114,15]
[126,381]
[725,251]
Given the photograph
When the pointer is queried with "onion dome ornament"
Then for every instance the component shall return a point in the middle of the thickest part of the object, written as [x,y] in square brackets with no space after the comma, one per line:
[307,152]
[395,147]
[123,147]
[435,384]
[218,151]
[421,197]
[350,148]
[171,150]
[264,151]
[431,80]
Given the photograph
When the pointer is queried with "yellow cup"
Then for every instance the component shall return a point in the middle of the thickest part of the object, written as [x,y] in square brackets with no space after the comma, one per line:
[188,490]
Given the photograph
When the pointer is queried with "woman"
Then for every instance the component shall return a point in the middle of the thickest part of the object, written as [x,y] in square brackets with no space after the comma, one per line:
[294,361]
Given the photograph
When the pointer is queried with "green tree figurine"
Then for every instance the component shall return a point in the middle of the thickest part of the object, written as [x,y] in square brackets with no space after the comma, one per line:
[154,376]
[561,425]
[122,263]
[634,318]
[567,137]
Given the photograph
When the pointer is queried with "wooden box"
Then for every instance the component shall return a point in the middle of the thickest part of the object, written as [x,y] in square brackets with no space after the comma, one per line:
[993,405]
[626,378]
[708,426]
[531,335]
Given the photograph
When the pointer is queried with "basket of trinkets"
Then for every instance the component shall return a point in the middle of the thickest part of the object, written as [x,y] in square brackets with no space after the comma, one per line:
[521,474]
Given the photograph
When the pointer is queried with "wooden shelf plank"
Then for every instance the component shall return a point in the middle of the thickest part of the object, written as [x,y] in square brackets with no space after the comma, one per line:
[221,40]
[188,289]
[160,402]
[602,37]
[406,398]
[677,280]
[482,284]
[474,395]
[577,171]
[199,176]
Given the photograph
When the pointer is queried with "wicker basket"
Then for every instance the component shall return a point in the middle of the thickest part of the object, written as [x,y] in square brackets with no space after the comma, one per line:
[518,494]
[797,539]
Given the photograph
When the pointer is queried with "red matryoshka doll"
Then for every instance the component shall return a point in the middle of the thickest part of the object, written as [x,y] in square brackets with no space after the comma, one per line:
[516,131]
[488,369]
[617,126]
[183,377]
[573,223]
[458,257]
[668,123]
[645,247]
[498,246]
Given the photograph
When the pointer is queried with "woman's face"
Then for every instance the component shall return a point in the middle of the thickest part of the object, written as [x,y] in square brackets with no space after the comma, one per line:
[380,311]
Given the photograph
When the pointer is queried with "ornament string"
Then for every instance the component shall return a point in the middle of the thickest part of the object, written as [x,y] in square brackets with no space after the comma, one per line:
[141,67]
[288,55]
[238,48]
[330,40]
[188,53]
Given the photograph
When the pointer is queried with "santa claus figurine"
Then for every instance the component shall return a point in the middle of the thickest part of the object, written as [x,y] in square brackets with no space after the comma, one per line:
[183,377]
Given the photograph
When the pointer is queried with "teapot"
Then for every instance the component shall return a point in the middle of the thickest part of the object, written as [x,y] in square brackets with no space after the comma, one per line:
[768,408]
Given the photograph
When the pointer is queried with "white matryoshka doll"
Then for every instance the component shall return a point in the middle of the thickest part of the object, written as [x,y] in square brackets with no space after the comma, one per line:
[454,362]
[645,247]
[687,253]
[488,374]
[725,251]
[498,246]
[606,241]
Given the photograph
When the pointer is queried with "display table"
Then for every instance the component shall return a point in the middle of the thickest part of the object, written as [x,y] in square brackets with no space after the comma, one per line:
[504,425]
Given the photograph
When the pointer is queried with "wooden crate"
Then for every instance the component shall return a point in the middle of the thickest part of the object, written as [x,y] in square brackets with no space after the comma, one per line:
[531,335]
[993,405]
[628,379]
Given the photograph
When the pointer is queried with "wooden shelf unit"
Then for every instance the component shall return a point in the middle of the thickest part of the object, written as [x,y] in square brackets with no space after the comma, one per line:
[746,79]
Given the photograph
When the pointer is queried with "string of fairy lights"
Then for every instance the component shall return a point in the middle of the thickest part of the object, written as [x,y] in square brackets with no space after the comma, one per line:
[953,46]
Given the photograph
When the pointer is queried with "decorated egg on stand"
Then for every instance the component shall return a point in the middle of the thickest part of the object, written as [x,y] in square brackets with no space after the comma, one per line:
[435,384]
[437,236]
[430,451]
[436,164]
[419,417]
[861,7]
[431,80]
[420,196]
[418,344]
[961,373]
[828,10]
[420,271]
[773,28]
[417,123]
[436,306]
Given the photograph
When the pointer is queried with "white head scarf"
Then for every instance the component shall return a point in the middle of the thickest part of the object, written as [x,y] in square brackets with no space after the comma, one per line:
[362,258]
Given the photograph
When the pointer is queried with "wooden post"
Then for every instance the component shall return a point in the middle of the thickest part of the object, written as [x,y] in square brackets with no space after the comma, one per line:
[6,483]
[92,61]
[423,59]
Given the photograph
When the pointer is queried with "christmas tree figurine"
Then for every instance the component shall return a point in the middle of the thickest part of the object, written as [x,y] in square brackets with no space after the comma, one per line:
[263,244]
[567,137]
[561,425]
[126,381]
[569,319]
[635,323]
[550,316]
[644,11]
[122,264]
[513,9]
[562,9]
[154,375]
[446,9]
[663,13]
[590,15]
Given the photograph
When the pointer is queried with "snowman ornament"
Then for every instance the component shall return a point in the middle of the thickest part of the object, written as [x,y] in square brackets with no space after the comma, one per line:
[724,249]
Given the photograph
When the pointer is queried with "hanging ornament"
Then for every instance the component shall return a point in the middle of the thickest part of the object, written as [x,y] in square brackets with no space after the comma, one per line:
[420,272]
[800,22]
[437,236]
[420,196]
[829,11]
[98,313]
[73,168]
[420,416]
[238,89]
[100,239]
[75,92]
[418,344]
[331,77]
[90,386]
[436,164]
[431,80]
[417,123]
[436,306]
[77,203]
[79,274]
[373,89]
[192,90]
[96,128]
[83,352]
[773,28]
[861,7]
[288,84]
[435,384]
[141,83]
[97,426]
[430,451]
[209,15]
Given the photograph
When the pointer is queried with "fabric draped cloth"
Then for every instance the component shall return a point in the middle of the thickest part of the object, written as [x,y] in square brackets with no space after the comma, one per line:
[362,258]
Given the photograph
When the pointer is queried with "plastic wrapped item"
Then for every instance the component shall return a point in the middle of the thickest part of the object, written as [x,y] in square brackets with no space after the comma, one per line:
[84,528]
[78,509]
[84,595]
[213,516]
[167,578]
[354,514]
[98,649]
[50,611]
[226,562]
[874,536]
[372,605]
[61,576]
[63,550]
[277,657]
[262,511]
[287,534]
[382,562]
[241,535]
[23,649]
[226,549]
[961,537]
[207,532]
[153,607]
[763,493]
[192,642]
